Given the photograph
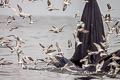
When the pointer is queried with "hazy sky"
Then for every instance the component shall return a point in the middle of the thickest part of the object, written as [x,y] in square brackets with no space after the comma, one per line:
[40,7]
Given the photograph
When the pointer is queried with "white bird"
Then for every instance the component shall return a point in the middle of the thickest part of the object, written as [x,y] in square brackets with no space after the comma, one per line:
[109,7]
[77,14]
[92,52]
[99,66]
[48,3]
[28,60]
[66,3]
[57,30]
[99,49]
[59,49]
[69,44]
[45,48]
[86,1]
[107,18]
[13,28]
[52,9]
[10,19]
[78,42]
[114,57]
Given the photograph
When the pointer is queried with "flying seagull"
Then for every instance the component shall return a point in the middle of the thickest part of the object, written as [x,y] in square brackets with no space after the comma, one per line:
[86,1]
[69,43]
[109,7]
[48,3]
[13,28]
[57,30]
[10,19]
[78,42]
[52,9]
[66,3]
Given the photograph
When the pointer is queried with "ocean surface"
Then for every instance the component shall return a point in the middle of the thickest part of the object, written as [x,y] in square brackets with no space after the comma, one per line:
[36,33]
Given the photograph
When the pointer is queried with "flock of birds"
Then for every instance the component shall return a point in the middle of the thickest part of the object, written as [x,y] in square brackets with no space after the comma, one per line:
[22,14]
[14,43]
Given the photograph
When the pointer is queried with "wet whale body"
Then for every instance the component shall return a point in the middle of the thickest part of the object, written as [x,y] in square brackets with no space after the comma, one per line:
[93,23]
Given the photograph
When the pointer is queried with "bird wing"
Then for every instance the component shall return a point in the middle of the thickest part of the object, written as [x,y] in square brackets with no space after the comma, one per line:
[30,58]
[64,7]
[13,28]
[50,51]
[6,1]
[54,27]
[41,45]
[98,46]
[60,30]
[109,6]
[19,8]
[50,46]
[58,48]
[115,24]
[108,26]
[11,36]
[48,3]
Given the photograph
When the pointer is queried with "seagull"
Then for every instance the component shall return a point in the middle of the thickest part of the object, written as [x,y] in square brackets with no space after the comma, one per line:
[10,19]
[5,62]
[80,27]
[117,31]
[6,2]
[99,66]
[48,3]
[61,29]
[45,48]
[66,3]
[99,49]
[42,46]
[107,18]
[114,26]
[109,7]
[57,30]
[54,29]
[92,52]
[59,49]
[28,58]
[77,14]
[86,1]
[21,13]
[5,42]
[13,28]
[114,57]
[2,4]
[82,31]
[50,51]
[12,49]
[23,63]
[105,45]
[86,64]
[114,71]
[18,52]
[2,59]
[30,17]
[52,9]
[78,42]
[110,31]
[69,43]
